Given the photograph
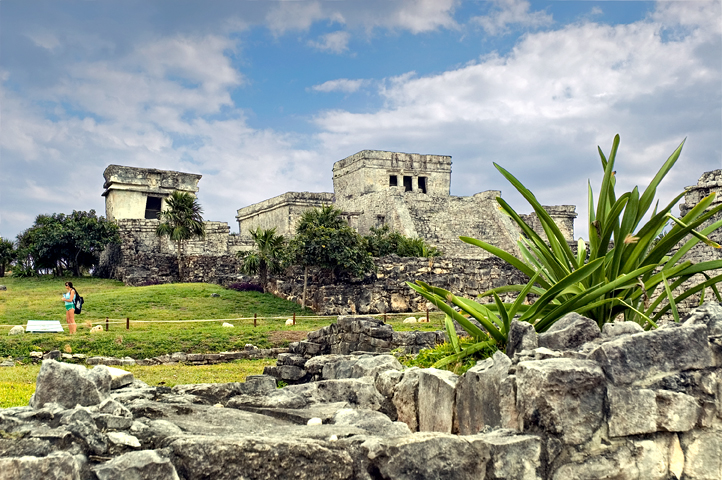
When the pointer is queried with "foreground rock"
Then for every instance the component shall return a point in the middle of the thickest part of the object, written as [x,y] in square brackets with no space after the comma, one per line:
[620,404]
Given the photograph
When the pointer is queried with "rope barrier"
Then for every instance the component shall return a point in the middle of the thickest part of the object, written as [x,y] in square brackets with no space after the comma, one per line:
[126,321]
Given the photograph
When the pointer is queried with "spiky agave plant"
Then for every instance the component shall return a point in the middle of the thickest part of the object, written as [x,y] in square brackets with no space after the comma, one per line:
[615,274]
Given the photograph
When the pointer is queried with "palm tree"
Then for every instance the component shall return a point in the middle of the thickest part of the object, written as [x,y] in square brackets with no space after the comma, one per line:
[181,221]
[268,256]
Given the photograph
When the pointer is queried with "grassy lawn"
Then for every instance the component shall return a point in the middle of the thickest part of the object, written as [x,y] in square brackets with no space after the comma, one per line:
[18,383]
[159,318]
[159,324]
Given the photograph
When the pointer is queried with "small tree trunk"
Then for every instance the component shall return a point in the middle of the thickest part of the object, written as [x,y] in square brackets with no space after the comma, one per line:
[180,261]
[305,280]
[2,270]
[263,274]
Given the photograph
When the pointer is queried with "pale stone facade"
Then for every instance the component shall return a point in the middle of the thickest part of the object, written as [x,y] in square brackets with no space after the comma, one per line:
[137,193]
[409,192]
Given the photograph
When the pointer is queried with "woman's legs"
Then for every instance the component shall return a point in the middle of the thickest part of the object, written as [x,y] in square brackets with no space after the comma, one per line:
[70,318]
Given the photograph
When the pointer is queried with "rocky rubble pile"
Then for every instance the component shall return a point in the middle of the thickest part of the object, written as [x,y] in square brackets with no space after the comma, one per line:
[572,403]
[349,335]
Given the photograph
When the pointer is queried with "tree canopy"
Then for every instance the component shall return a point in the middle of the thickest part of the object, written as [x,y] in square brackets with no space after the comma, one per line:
[324,239]
[59,243]
[268,257]
[7,254]
[181,221]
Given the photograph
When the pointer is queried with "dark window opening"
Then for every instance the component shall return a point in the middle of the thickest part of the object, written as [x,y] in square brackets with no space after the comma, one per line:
[422,184]
[407,184]
[152,208]
[380,221]
[393,181]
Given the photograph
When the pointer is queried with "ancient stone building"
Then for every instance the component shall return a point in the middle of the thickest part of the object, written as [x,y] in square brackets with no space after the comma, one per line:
[135,193]
[408,192]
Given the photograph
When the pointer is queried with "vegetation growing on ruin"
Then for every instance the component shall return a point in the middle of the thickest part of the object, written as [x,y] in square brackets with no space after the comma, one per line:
[615,275]
[383,241]
[180,222]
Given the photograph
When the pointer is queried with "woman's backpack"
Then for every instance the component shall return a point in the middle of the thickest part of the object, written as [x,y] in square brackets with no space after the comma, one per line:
[78,302]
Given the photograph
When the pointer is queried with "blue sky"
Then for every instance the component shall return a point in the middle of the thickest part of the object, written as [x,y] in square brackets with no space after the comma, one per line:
[262,97]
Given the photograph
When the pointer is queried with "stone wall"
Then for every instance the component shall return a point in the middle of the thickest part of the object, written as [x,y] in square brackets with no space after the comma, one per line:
[142,257]
[281,212]
[386,291]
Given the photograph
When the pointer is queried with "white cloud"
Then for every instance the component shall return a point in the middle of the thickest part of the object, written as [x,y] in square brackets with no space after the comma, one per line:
[335,42]
[541,110]
[295,16]
[511,12]
[423,15]
[341,85]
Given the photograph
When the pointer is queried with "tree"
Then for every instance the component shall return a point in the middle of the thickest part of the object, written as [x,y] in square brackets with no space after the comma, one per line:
[268,256]
[59,242]
[180,222]
[324,239]
[382,241]
[7,254]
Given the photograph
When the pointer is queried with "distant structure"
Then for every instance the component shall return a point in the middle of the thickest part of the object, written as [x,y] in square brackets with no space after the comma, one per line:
[139,193]
[410,193]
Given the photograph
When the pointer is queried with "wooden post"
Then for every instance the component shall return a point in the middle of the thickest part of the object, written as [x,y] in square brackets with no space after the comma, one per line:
[427,314]
[127,323]
[294,318]
[254,319]
[384,317]
[106,324]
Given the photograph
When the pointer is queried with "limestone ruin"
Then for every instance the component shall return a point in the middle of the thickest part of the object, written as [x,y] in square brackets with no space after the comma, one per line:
[410,193]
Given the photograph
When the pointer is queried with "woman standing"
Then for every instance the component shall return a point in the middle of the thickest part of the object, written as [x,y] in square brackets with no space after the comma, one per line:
[69,299]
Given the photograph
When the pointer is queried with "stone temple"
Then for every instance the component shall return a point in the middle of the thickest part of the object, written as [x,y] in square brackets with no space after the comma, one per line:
[410,193]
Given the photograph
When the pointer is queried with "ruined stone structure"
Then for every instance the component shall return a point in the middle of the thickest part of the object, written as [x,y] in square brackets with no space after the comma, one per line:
[408,192]
[133,193]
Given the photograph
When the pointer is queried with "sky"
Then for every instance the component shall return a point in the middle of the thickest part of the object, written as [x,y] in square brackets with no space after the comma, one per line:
[262,97]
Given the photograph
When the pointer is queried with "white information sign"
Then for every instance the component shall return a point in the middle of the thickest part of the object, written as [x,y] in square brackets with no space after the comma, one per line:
[44,326]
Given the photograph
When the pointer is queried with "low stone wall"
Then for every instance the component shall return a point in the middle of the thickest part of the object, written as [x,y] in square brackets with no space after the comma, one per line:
[348,335]
[386,290]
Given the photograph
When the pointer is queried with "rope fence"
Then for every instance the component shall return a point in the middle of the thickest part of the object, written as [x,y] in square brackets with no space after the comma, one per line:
[127,321]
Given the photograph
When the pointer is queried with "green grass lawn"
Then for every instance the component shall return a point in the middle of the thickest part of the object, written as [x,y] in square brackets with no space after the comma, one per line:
[159,325]
[159,318]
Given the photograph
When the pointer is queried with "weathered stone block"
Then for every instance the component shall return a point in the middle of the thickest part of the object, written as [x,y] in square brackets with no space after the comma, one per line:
[561,397]
[522,336]
[511,456]
[56,466]
[635,357]
[676,412]
[569,332]
[477,394]
[631,411]
[70,385]
[708,314]
[436,400]
[405,398]
[702,454]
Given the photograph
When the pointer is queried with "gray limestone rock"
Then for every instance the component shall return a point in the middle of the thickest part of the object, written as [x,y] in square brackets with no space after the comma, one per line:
[142,465]
[231,458]
[436,400]
[280,398]
[615,329]
[426,455]
[257,385]
[631,411]
[386,381]
[16,330]
[522,336]
[211,392]
[709,314]
[561,397]
[119,378]
[569,332]
[702,459]
[56,466]
[511,456]
[477,394]
[357,366]
[405,399]
[676,412]
[375,423]
[70,385]
[632,358]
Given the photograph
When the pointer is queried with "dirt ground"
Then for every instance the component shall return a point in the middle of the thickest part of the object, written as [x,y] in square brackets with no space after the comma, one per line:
[280,336]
